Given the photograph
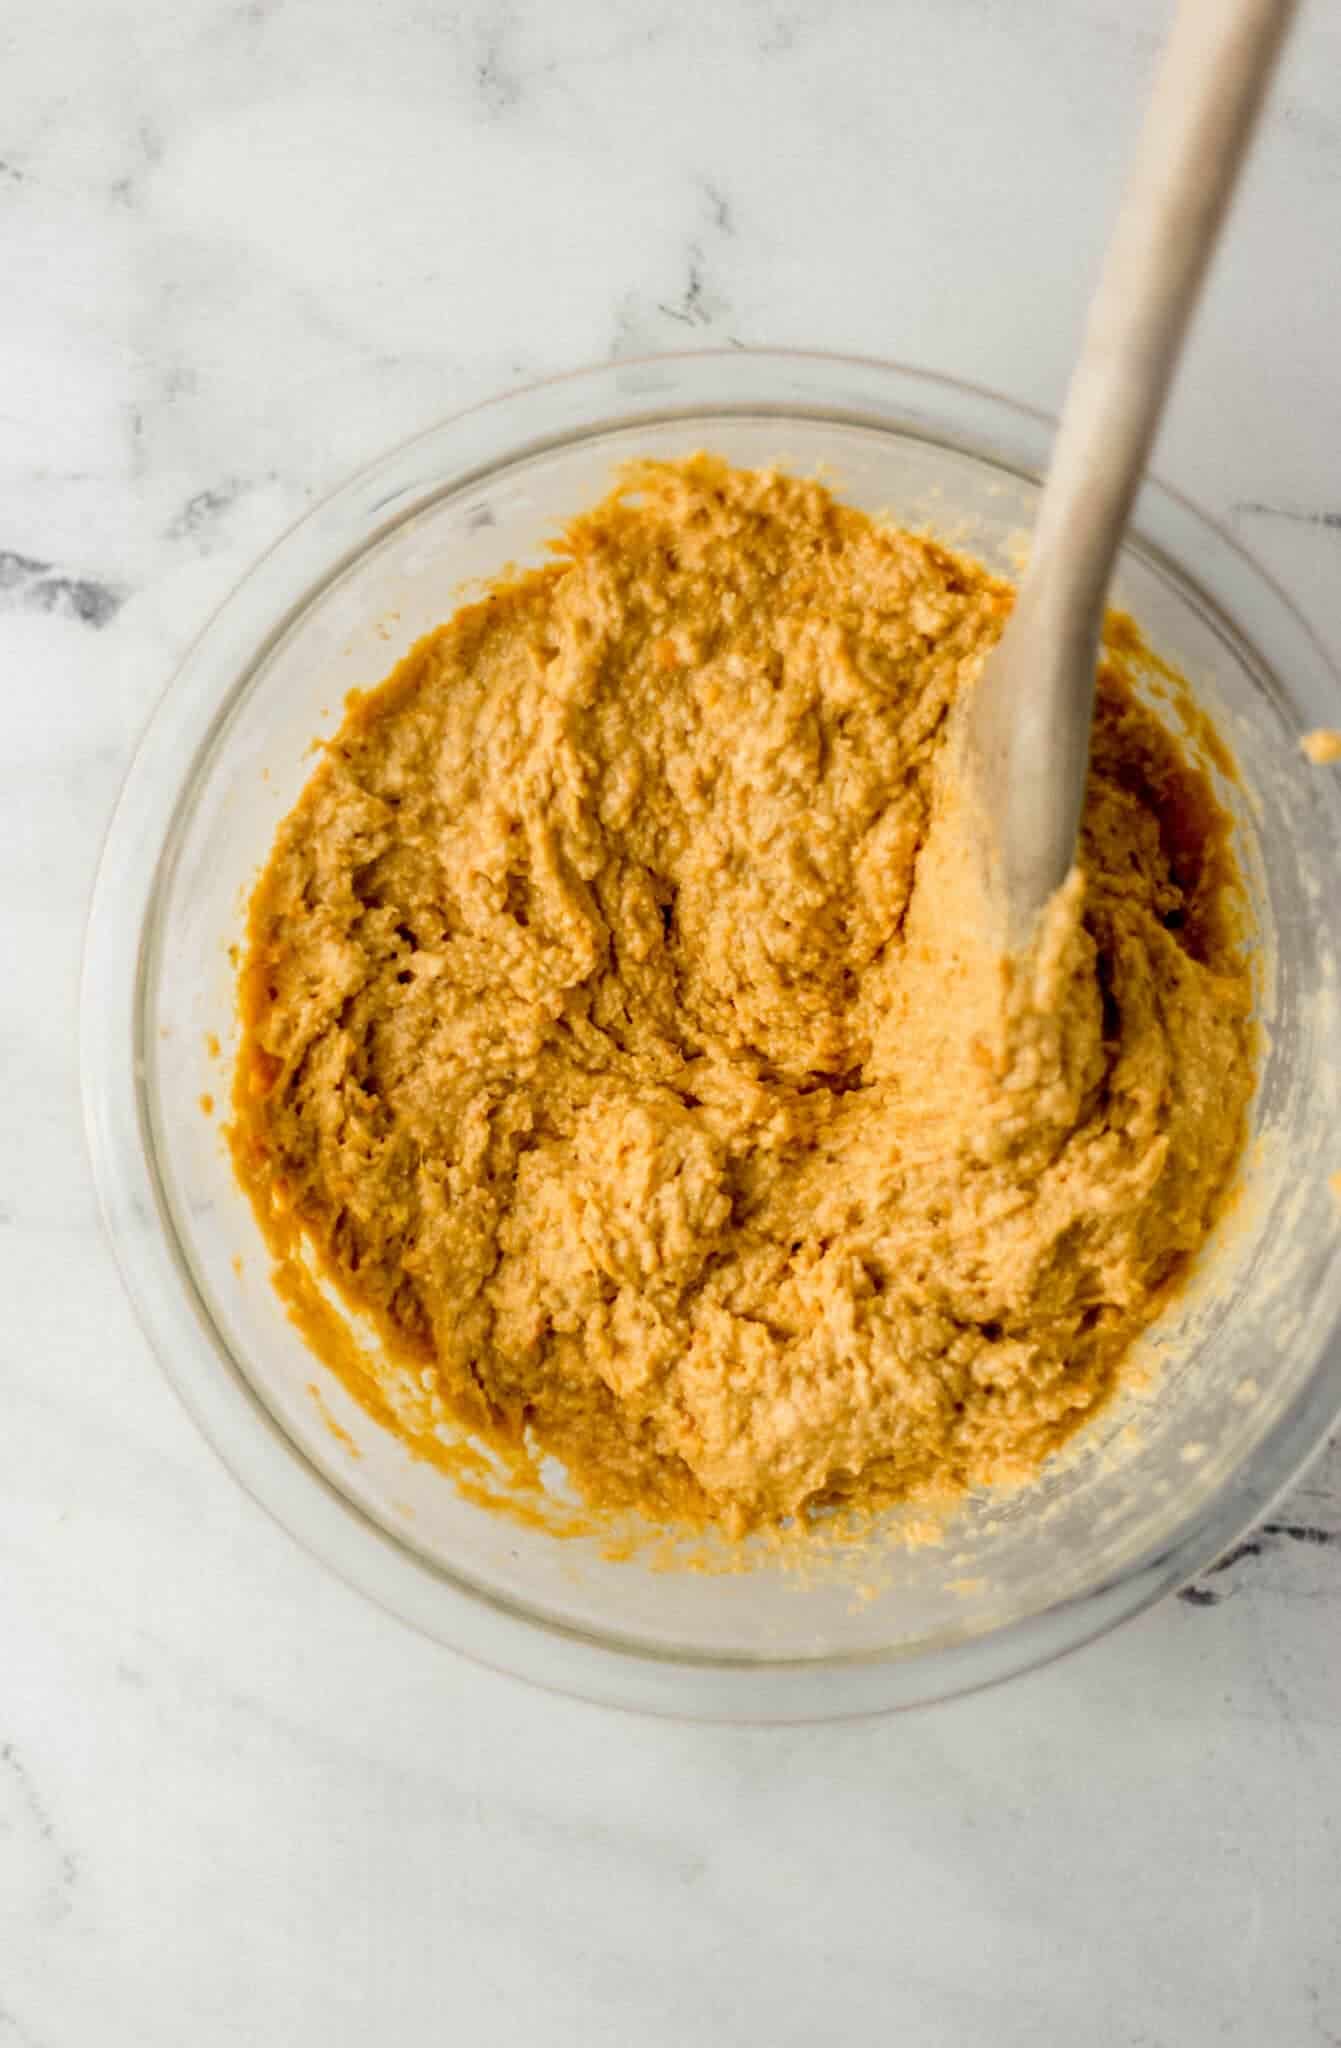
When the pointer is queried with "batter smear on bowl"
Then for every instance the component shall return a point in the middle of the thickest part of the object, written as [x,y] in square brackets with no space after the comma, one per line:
[617,1035]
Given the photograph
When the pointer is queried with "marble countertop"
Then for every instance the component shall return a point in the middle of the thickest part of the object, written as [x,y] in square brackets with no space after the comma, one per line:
[248,243]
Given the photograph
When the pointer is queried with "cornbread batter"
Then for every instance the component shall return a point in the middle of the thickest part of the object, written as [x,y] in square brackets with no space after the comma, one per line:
[614,1031]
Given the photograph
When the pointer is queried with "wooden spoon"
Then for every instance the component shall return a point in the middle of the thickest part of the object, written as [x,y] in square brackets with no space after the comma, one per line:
[1024,729]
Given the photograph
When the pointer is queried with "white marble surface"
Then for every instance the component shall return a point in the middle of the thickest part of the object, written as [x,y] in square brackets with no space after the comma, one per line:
[244,246]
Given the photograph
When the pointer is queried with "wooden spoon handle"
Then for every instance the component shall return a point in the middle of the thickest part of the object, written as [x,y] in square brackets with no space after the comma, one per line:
[1208,91]
[1024,736]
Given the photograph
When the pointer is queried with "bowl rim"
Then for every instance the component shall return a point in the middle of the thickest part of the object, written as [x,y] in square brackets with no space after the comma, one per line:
[207,684]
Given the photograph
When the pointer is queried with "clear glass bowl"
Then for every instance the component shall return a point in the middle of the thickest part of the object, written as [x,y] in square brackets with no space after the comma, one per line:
[1250,1381]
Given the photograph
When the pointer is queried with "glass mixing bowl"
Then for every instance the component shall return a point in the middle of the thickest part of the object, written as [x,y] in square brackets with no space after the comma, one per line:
[1249,1380]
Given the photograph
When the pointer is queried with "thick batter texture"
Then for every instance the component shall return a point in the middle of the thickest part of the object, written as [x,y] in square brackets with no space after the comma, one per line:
[617,1030]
